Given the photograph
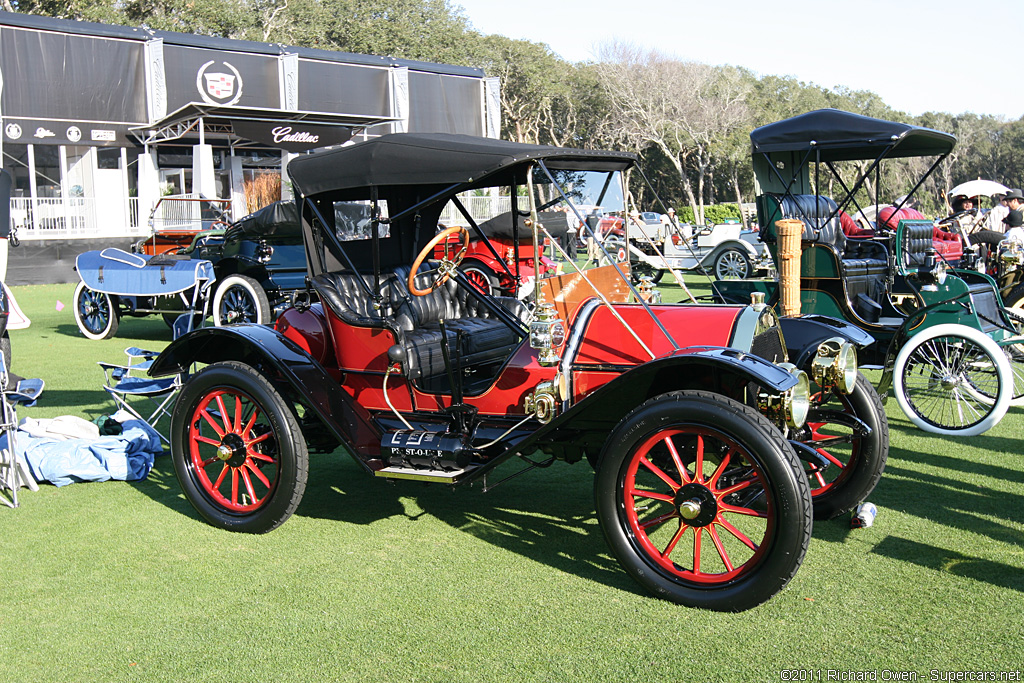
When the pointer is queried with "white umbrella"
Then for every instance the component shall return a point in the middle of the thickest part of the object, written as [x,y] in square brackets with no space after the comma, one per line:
[977,188]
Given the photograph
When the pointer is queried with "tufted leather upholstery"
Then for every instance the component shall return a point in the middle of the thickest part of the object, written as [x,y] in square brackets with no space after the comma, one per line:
[484,339]
[917,240]
[347,299]
[864,263]
[814,211]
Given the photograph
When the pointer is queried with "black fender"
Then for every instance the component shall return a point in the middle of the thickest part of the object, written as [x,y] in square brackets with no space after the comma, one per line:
[719,370]
[241,264]
[803,334]
[292,371]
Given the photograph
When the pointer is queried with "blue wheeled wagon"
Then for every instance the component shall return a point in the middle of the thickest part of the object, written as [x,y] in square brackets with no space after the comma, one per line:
[116,283]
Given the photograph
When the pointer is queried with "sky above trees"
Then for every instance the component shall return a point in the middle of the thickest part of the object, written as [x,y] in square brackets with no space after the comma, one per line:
[939,55]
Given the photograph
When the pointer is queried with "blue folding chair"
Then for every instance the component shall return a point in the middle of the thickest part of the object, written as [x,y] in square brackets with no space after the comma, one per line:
[128,382]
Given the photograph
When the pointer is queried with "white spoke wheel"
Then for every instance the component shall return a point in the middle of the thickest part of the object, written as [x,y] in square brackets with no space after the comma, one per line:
[732,264]
[240,299]
[952,379]
[1014,303]
[95,313]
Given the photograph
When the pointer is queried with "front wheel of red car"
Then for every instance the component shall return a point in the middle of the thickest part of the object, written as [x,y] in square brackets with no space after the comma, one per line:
[703,502]
[853,452]
[238,452]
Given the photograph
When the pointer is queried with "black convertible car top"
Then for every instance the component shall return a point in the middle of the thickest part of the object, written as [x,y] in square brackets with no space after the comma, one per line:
[841,136]
[435,159]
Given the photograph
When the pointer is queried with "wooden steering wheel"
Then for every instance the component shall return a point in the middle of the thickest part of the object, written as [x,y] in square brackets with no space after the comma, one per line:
[219,225]
[446,267]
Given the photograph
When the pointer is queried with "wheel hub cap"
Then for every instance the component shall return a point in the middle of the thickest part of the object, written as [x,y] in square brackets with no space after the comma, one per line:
[696,504]
[689,509]
[232,450]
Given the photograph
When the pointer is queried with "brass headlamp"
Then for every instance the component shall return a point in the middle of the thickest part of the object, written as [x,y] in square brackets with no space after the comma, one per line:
[835,365]
[792,405]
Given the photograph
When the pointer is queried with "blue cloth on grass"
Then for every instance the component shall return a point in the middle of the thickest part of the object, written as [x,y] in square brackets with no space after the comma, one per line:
[127,456]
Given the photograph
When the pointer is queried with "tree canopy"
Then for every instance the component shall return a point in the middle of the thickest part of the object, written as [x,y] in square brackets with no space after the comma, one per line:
[688,120]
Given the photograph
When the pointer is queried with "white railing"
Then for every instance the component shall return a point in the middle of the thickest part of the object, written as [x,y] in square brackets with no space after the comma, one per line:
[187,212]
[480,208]
[73,217]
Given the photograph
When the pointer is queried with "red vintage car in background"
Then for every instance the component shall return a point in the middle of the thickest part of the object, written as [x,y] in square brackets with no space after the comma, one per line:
[500,259]
[712,453]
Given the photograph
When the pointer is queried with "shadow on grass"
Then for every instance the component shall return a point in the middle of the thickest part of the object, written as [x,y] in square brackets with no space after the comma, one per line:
[968,466]
[951,562]
[139,329]
[547,516]
[952,501]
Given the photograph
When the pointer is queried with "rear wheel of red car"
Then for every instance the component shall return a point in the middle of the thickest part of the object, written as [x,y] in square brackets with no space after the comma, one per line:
[855,458]
[238,452]
[481,277]
[703,502]
[240,299]
[95,313]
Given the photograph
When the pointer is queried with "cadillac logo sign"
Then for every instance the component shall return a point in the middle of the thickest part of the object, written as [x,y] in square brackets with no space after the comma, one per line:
[219,83]
[286,134]
[293,136]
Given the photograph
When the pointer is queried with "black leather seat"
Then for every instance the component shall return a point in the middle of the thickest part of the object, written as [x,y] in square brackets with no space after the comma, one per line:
[864,262]
[484,339]
[346,297]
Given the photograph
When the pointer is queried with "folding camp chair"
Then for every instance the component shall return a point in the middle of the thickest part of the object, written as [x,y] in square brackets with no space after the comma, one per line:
[129,382]
[14,472]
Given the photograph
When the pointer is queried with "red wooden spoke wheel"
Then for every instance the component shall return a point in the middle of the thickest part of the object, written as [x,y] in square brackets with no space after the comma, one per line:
[852,458]
[233,450]
[237,449]
[690,512]
[703,502]
[481,277]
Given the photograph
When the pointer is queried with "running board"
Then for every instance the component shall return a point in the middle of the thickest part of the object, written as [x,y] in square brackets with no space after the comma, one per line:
[413,474]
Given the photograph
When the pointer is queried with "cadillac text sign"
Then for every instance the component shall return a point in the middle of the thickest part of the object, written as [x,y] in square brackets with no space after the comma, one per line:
[292,136]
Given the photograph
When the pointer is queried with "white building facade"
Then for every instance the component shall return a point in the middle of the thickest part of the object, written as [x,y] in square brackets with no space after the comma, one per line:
[98,122]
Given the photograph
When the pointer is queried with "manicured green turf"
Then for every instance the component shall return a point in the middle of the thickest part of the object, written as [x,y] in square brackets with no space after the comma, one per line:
[372,581]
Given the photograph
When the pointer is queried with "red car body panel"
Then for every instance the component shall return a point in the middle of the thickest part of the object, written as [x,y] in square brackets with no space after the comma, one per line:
[362,355]
[606,341]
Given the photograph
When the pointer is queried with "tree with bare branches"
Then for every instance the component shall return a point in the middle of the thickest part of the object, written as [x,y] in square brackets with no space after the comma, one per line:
[685,110]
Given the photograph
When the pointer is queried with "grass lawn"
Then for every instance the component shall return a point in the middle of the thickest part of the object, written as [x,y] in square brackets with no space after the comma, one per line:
[379,581]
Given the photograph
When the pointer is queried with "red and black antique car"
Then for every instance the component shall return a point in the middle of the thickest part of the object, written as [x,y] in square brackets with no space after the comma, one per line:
[708,452]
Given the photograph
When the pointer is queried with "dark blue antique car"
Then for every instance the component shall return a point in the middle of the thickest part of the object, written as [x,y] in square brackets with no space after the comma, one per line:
[258,262]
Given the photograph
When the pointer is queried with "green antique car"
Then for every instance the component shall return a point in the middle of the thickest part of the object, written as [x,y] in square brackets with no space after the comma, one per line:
[945,341]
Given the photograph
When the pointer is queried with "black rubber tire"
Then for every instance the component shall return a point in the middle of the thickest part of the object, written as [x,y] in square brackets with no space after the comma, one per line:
[481,277]
[1015,299]
[756,450]
[640,269]
[195,460]
[240,299]
[847,483]
[732,263]
[5,347]
[95,313]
